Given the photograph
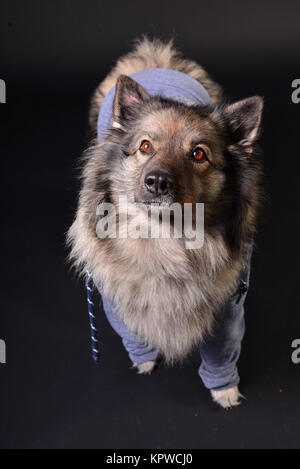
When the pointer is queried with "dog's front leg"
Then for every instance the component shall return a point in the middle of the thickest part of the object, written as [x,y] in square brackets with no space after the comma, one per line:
[221,351]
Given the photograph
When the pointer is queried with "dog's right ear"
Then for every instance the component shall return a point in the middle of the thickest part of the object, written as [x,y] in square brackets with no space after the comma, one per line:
[129,96]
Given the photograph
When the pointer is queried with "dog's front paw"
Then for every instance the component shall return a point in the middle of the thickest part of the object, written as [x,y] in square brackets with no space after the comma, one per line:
[145,368]
[228,398]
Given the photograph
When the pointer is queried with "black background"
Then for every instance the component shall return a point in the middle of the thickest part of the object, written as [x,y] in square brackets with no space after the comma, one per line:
[52,56]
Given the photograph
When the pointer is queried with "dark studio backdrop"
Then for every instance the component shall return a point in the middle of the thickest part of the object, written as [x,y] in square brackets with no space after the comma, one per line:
[53,54]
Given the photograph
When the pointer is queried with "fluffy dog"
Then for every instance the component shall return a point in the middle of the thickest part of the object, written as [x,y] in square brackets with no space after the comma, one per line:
[160,150]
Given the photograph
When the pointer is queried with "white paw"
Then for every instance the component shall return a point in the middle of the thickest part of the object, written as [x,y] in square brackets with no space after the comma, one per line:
[228,398]
[145,368]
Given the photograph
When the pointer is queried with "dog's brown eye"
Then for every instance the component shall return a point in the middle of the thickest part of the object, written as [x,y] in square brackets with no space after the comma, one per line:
[199,154]
[146,146]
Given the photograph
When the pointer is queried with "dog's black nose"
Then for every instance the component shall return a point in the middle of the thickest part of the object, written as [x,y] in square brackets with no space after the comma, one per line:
[159,182]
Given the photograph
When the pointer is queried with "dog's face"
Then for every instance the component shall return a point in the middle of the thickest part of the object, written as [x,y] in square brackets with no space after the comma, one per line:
[179,153]
[176,155]
[171,152]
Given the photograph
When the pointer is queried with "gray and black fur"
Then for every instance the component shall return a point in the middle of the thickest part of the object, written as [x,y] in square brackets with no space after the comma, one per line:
[166,294]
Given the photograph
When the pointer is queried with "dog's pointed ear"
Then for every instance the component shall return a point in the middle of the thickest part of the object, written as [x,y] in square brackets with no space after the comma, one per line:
[129,96]
[244,120]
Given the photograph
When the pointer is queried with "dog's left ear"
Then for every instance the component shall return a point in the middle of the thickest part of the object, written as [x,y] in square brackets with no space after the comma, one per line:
[129,96]
[244,119]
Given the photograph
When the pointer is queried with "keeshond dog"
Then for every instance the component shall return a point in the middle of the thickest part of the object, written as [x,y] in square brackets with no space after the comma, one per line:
[160,150]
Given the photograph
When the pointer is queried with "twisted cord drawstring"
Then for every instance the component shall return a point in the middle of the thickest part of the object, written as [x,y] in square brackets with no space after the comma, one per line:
[94,331]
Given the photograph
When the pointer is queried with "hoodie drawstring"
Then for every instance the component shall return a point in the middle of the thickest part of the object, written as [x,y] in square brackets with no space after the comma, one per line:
[94,331]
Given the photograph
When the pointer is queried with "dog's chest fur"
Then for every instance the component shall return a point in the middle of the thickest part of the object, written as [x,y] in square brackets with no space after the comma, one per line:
[165,293]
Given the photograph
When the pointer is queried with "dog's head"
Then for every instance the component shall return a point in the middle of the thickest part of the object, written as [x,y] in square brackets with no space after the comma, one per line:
[171,152]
